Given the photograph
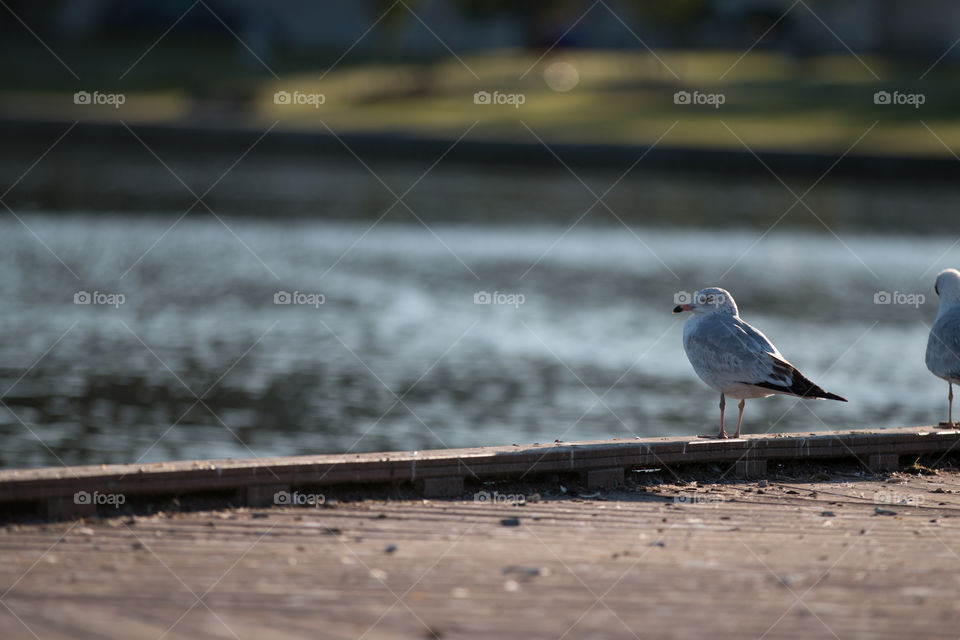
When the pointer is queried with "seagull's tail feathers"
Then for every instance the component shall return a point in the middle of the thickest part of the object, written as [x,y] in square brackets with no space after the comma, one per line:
[801,387]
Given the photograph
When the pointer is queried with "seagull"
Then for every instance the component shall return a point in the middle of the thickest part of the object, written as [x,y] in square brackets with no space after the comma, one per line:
[943,346]
[734,358]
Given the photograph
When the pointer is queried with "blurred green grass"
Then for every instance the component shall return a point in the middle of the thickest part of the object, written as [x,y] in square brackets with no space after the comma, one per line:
[773,102]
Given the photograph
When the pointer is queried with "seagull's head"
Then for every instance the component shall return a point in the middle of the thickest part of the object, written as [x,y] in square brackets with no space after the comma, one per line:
[948,285]
[709,300]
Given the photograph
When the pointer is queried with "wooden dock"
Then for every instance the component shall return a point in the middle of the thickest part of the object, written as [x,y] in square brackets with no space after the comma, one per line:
[60,491]
[625,539]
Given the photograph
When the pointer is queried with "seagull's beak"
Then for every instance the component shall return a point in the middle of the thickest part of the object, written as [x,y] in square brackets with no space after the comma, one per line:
[680,308]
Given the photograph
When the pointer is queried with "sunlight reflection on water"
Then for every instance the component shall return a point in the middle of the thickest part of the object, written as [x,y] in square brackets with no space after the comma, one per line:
[199,352]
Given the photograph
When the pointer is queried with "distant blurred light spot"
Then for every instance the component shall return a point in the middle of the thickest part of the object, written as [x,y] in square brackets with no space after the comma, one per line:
[561,76]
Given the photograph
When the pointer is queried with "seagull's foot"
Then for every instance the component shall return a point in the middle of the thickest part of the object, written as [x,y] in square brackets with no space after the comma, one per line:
[950,425]
[722,435]
[717,436]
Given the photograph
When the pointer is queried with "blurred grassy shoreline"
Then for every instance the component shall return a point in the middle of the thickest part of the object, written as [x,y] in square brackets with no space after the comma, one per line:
[156,170]
[771,102]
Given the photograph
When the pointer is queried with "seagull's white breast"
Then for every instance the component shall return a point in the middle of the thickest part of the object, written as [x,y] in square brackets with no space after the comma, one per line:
[943,345]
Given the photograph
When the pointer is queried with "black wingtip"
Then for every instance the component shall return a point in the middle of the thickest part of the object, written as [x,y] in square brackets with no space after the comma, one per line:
[832,396]
[806,389]
[801,387]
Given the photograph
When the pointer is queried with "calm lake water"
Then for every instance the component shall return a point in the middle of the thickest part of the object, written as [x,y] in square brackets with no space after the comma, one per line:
[198,361]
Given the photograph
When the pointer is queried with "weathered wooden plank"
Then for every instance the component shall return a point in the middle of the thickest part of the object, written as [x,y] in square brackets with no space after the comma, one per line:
[56,487]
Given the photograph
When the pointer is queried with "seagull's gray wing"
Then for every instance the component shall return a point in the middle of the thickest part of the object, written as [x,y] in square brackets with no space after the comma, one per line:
[943,346]
[725,350]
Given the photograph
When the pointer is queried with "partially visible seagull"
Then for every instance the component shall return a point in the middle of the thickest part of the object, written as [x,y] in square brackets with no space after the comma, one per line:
[734,358]
[943,346]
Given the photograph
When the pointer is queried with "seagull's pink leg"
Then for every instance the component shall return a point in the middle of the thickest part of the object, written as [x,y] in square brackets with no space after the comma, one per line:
[723,405]
[740,417]
[950,405]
